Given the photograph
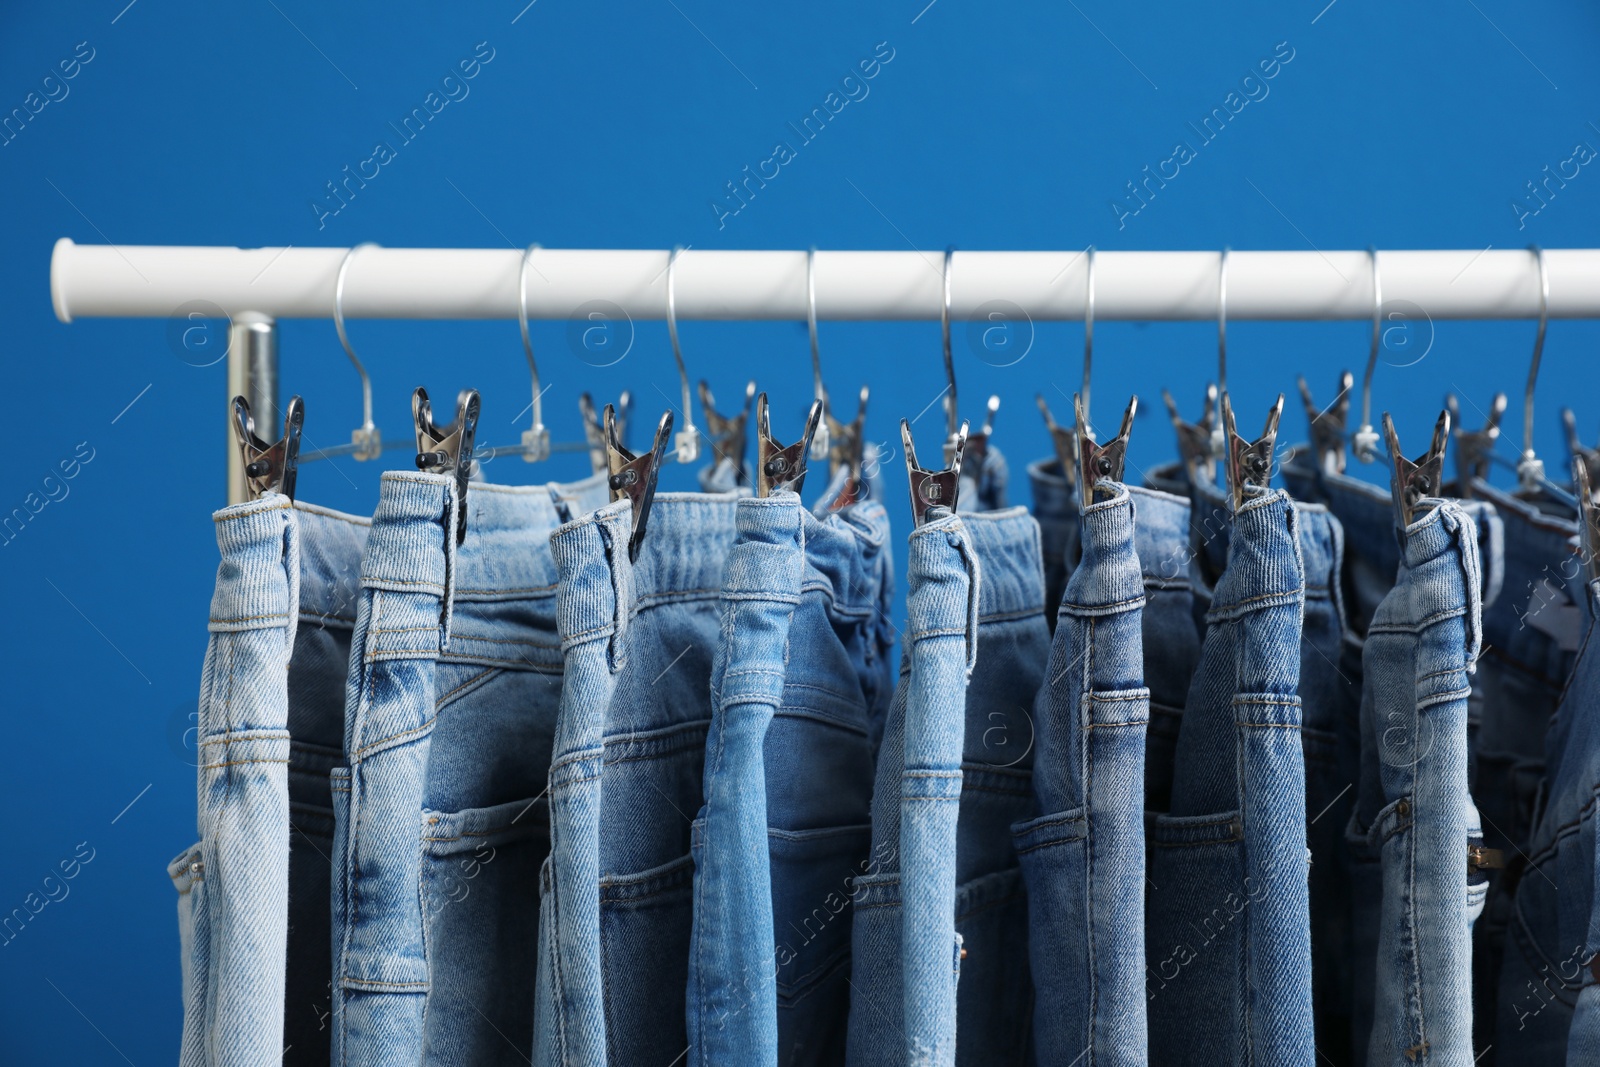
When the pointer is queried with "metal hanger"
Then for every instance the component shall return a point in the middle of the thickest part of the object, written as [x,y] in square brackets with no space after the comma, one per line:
[933,489]
[1326,428]
[1219,438]
[1249,463]
[687,442]
[1194,438]
[847,448]
[366,441]
[1588,517]
[728,433]
[822,441]
[780,467]
[974,448]
[448,449]
[1413,481]
[1590,457]
[633,478]
[1530,468]
[1100,462]
[269,468]
[1365,442]
[1062,439]
[1474,448]
[594,431]
[536,440]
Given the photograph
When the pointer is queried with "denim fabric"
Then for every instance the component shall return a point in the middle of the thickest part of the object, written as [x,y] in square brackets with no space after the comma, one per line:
[732,999]
[253,915]
[1548,984]
[450,714]
[1082,852]
[986,493]
[953,773]
[1055,508]
[1228,924]
[574,500]
[1414,817]
[1170,636]
[595,594]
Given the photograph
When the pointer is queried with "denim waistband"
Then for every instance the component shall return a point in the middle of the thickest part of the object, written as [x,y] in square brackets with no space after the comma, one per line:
[844,557]
[1171,478]
[258,580]
[1264,564]
[1443,578]
[331,543]
[1540,563]
[597,589]
[1108,579]
[1013,572]
[1160,535]
[574,500]
[506,552]
[685,546]
[1053,495]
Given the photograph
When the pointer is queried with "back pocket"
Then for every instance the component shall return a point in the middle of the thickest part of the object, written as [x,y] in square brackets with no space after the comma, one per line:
[645,921]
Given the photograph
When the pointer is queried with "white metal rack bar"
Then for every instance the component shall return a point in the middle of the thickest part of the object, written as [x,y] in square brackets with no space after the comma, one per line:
[145,281]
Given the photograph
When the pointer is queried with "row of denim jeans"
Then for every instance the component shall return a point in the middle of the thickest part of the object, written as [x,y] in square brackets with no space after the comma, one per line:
[1159,780]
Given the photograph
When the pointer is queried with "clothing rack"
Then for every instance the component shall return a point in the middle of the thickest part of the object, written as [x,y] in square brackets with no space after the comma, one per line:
[255,287]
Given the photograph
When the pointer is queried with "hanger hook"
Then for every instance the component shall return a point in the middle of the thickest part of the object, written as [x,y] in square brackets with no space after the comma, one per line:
[1222,322]
[949,360]
[535,441]
[819,442]
[1530,471]
[687,439]
[1365,443]
[1088,331]
[366,438]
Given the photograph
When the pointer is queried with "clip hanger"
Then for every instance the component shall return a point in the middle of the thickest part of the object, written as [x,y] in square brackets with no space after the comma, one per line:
[448,449]
[269,468]
[1588,517]
[633,478]
[974,447]
[1589,456]
[1327,425]
[594,431]
[1061,440]
[933,489]
[1249,462]
[1411,482]
[728,433]
[779,467]
[847,444]
[1474,447]
[1194,438]
[1097,462]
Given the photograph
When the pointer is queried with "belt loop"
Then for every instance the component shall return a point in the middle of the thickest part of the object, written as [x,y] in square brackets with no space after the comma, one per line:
[969,558]
[452,517]
[1472,573]
[617,532]
[291,570]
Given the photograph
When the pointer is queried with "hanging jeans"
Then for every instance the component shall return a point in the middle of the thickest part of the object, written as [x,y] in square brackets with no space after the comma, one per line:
[1082,853]
[1228,916]
[1414,820]
[442,826]
[1055,508]
[1549,1003]
[628,778]
[788,777]
[953,774]
[253,893]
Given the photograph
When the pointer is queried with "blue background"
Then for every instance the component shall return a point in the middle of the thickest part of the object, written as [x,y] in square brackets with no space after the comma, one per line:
[995,126]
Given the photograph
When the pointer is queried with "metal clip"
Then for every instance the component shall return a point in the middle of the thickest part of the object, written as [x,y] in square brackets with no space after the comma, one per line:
[594,432]
[269,468]
[933,489]
[1249,462]
[1474,447]
[1327,425]
[1588,517]
[448,449]
[777,467]
[1411,482]
[974,447]
[728,433]
[1194,438]
[1589,456]
[633,478]
[847,445]
[1061,440]
[1105,462]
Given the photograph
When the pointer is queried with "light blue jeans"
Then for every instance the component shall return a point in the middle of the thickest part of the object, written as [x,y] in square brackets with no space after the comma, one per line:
[1228,925]
[442,827]
[285,598]
[1082,852]
[1414,817]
